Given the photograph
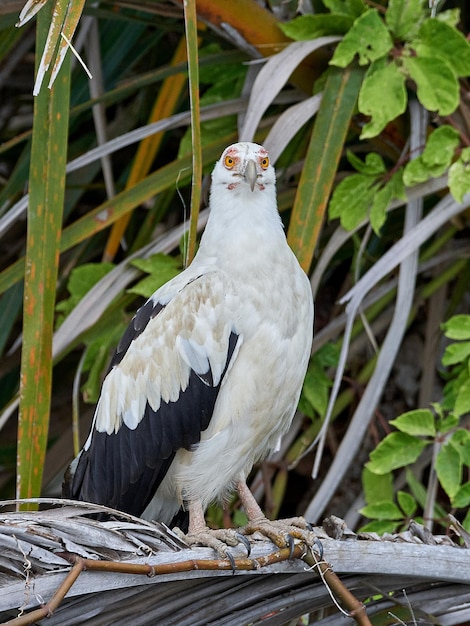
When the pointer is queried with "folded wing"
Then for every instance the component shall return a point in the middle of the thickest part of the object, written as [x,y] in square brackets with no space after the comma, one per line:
[159,393]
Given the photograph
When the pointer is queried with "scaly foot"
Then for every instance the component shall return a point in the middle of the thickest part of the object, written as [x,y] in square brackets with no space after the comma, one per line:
[282,532]
[218,539]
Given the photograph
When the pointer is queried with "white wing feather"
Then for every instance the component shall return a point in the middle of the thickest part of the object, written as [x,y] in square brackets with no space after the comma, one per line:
[191,333]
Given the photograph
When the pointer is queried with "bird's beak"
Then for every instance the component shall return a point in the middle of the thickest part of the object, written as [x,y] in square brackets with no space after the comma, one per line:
[250,174]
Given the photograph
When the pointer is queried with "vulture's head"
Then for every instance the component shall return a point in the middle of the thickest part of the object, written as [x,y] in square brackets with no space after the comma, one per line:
[244,167]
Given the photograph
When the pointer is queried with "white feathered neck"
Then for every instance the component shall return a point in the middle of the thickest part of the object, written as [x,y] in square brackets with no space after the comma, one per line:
[244,226]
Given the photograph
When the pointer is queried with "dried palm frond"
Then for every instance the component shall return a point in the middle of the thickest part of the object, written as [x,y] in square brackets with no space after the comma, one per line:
[191,587]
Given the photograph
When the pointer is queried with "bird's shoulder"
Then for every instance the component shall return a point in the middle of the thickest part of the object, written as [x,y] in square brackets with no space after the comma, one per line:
[195,296]
[185,329]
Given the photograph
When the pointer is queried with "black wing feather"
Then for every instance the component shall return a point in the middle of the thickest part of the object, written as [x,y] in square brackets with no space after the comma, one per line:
[124,469]
[137,325]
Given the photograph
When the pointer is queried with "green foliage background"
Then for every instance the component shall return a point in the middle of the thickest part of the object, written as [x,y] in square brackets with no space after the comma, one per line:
[364,108]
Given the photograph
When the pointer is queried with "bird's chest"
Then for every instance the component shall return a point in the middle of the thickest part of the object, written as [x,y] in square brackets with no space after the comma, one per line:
[275,302]
[274,319]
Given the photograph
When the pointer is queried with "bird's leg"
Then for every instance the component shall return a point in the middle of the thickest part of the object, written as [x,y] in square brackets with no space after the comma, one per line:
[281,532]
[199,534]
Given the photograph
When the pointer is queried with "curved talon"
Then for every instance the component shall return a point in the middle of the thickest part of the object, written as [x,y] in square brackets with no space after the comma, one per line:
[230,557]
[309,526]
[242,539]
[319,545]
[291,544]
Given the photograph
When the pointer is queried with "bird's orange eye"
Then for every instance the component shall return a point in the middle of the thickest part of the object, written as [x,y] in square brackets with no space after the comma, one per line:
[229,162]
[265,162]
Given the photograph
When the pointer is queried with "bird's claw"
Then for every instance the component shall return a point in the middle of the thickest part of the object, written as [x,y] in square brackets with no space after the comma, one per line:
[242,539]
[219,540]
[319,545]
[230,557]
[284,533]
[291,545]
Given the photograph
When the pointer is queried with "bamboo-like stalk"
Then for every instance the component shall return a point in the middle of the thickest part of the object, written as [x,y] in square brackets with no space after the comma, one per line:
[190,21]
[47,183]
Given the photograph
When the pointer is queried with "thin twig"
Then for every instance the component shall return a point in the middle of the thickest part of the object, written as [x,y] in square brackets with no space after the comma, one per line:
[47,609]
[145,569]
[356,609]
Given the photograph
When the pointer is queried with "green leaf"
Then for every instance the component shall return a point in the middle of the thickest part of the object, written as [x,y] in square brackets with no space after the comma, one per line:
[307,27]
[372,166]
[415,172]
[394,189]
[462,497]
[456,353]
[439,411]
[466,521]
[396,185]
[437,85]
[382,198]
[384,510]
[458,327]
[407,503]
[440,148]
[459,176]
[317,382]
[445,424]
[81,280]
[462,401]
[315,388]
[419,422]
[452,387]
[460,440]
[396,450]
[449,469]
[215,76]
[417,489]
[451,17]
[379,527]
[359,192]
[404,17]
[382,77]
[97,358]
[161,268]
[327,355]
[437,39]
[368,38]
[354,8]
[239,518]
[420,494]
[435,158]
[377,487]
[350,200]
